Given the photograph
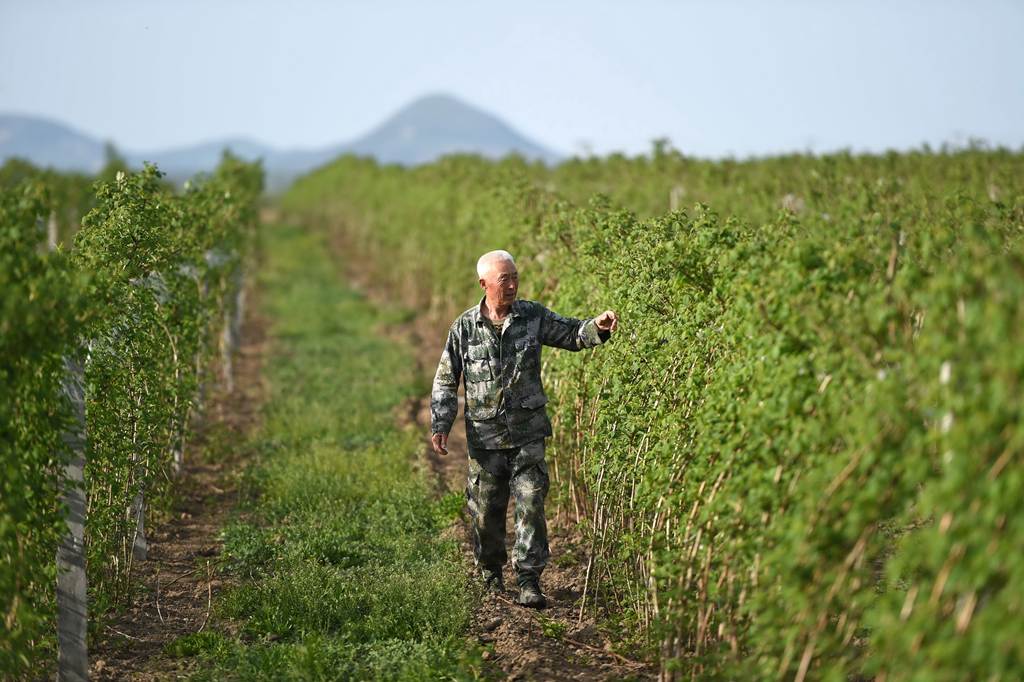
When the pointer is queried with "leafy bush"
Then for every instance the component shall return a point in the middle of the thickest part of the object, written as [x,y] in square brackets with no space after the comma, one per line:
[801,455]
[41,309]
[139,299]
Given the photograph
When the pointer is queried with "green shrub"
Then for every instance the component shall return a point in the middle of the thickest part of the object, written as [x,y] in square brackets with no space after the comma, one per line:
[136,300]
[800,455]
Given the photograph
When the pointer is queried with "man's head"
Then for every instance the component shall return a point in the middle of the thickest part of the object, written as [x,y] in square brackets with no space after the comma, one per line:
[498,276]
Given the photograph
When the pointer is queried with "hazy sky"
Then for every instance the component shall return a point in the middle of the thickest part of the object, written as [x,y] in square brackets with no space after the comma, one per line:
[727,77]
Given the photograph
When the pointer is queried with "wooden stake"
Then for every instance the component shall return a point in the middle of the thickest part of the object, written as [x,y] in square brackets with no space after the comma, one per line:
[72,601]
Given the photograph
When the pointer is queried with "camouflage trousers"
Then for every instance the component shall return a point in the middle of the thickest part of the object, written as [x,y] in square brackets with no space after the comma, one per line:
[493,476]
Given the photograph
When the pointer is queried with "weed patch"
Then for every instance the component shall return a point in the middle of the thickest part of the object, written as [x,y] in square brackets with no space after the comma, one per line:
[342,573]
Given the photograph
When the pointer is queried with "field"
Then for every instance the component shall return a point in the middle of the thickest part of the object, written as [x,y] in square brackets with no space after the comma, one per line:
[799,456]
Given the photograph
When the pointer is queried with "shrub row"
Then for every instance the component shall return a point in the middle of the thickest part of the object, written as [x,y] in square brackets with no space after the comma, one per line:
[140,301]
[802,456]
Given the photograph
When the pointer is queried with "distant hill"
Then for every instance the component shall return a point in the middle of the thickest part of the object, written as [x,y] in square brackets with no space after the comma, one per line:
[421,132]
[436,125]
[186,161]
[48,143]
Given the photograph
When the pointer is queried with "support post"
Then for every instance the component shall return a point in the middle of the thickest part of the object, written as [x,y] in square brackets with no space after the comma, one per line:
[72,600]
[225,351]
[51,231]
[140,548]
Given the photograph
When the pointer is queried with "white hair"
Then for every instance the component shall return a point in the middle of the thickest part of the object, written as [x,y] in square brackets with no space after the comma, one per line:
[490,257]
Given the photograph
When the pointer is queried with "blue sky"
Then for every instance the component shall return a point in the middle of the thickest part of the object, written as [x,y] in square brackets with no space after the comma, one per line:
[734,77]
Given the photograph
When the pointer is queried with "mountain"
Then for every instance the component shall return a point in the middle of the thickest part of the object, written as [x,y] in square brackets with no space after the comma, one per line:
[48,143]
[185,161]
[436,125]
[422,131]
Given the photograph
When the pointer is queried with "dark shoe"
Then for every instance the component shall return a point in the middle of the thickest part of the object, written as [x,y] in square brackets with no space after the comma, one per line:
[493,581]
[530,595]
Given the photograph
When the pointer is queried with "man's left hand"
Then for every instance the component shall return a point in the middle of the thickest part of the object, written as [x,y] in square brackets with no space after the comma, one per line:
[607,321]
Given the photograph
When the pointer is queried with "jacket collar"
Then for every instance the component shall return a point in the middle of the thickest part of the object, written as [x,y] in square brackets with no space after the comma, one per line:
[478,315]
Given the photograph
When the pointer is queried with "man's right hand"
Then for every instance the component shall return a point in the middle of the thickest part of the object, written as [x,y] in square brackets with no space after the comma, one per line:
[440,443]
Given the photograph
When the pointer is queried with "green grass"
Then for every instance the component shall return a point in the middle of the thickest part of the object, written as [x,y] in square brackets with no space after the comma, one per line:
[342,571]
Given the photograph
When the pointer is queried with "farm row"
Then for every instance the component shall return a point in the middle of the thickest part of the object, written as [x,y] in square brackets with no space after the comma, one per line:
[104,352]
[801,455]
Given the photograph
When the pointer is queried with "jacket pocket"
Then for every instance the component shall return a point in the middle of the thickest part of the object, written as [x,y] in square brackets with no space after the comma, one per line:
[477,370]
[481,391]
[526,343]
[480,411]
[527,352]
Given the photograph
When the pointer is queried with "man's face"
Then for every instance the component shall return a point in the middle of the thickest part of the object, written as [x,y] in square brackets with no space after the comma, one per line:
[501,283]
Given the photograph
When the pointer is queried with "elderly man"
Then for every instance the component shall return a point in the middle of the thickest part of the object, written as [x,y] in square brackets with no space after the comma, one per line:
[495,346]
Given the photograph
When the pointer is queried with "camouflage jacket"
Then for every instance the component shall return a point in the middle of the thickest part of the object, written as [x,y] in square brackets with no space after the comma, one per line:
[504,397]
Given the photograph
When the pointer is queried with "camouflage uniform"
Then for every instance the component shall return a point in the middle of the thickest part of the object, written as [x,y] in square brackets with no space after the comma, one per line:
[506,422]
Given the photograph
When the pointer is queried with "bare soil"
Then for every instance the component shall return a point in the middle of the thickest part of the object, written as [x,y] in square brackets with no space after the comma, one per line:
[178,580]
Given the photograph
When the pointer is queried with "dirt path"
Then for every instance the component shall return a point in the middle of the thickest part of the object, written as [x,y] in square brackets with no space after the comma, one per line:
[179,582]
[523,644]
[178,579]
